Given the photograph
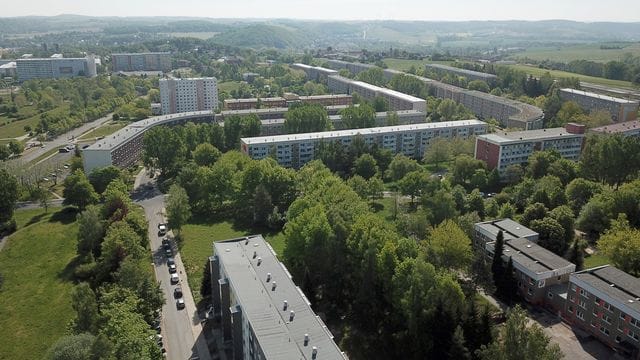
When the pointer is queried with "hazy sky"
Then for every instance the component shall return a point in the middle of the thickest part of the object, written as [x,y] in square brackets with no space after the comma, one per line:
[581,10]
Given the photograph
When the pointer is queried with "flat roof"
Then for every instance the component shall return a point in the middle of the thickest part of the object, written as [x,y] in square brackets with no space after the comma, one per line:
[121,136]
[379,89]
[615,283]
[533,256]
[190,79]
[366,131]
[461,70]
[49,59]
[262,306]
[504,138]
[250,100]
[599,96]
[510,229]
[9,65]
[615,128]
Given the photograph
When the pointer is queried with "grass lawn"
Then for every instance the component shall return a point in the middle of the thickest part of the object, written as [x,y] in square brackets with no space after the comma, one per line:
[16,127]
[591,52]
[384,208]
[104,130]
[228,86]
[197,246]
[35,305]
[594,260]
[535,71]
[45,155]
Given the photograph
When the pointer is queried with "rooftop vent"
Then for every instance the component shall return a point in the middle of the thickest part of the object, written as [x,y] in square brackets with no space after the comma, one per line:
[268,277]
[306,339]
[259,261]
[273,286]
[292,314]
[285,305]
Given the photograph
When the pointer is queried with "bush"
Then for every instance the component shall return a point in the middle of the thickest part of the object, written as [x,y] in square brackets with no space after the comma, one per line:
[8,227]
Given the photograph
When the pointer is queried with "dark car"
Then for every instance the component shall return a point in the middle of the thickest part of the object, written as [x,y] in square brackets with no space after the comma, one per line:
[168,252]
[177,292]
[172,268]
[180,304]
[171,261]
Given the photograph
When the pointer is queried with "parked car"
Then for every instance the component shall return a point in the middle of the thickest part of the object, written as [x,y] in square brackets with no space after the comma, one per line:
[177,292]
[172,268]
[162,229]
[168,252]
[180,304]
[174,278]
[171,261]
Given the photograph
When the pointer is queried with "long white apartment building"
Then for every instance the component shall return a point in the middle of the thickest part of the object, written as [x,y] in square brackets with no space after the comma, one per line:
[315,73]
[152,61]
[55,68]
[295,150]
[501,149]
[191,94]
[397,100]
[620,109]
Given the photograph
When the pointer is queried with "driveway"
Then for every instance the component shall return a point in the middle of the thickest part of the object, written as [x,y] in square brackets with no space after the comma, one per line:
[181,329]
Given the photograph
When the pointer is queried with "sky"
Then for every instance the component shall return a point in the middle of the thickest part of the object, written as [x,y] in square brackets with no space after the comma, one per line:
[579,10]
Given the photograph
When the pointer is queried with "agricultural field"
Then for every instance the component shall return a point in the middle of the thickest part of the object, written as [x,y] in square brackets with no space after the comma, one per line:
[36,265]
[568,53]
[535,71]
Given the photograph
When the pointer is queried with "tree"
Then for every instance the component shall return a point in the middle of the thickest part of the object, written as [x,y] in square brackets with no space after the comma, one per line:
[520,341]
[540,161]
[363,116]
[365,166]
[42,195]
[413,183]
[78,191]
[551,234]
[401,166]
[595,216]
[579,191]
[441,206]
[306,118]
[8,195]
[101,177]
[262,205]
[568,112]
[458,349]
[622,246]
[380,104]
[535,211]
[205,154]
[375,188]
[513,174]
[437,152]
[178,207]
[564,216]
[481,274]
[575,254]
[83,301]
[164,149]
[16,147]
[72,347]
[449,247]
[497,265]
[90,231]
[4,152]
[478,85]
[464,167]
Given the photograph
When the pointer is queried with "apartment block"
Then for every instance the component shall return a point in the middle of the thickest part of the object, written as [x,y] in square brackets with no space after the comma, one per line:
[501,149]
[272,113]
[627,128]
[315,73]
[254,103]
[264,314]
[55,68]
[486,232]
[536,269]
[152,61]
[295,150]
[354,68]
[324,100]
[605,302]
[469,74]
[395,99]
[186,95]
[620,109]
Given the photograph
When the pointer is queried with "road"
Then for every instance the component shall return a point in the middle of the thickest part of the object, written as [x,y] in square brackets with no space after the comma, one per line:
[181,329]
[64,139]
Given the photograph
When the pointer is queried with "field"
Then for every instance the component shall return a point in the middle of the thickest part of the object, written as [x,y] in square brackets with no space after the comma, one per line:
[16,127]
[35,305]
[104,130]
[197,246]
[228,86]
[568,53]
[535,71]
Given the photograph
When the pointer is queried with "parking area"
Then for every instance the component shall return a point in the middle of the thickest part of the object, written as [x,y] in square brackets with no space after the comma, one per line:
[574,343]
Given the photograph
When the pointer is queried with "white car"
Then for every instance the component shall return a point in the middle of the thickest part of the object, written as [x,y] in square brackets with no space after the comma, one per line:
[174,278]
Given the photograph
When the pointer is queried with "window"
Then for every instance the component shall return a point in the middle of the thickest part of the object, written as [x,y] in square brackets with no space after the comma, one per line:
[529,292]
[618,339]
[584,293]
[606,319]
[607,306]
[572,298]
[595,311]
[573,287]
[604,330]
[622,315]
[635,322]
[582,304]
[596,300]
[633,335]
[593,323]
[580,314]
[570,309]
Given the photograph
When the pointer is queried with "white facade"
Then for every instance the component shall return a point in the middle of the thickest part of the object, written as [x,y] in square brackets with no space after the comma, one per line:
[185,95]
[54,68]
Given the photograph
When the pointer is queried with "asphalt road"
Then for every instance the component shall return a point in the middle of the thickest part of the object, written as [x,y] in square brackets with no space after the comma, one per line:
[181,329]
[64,139]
